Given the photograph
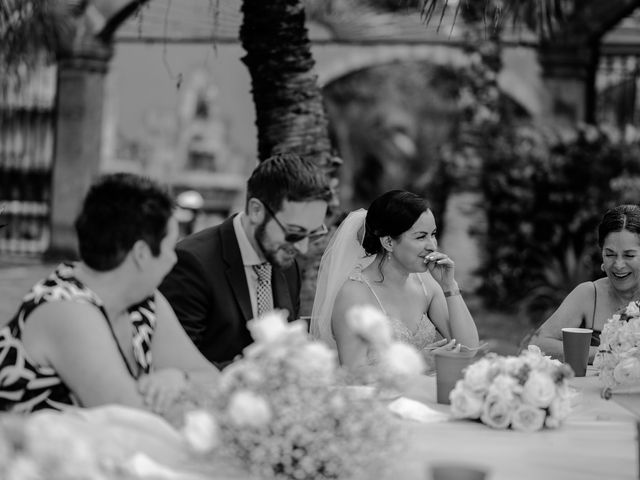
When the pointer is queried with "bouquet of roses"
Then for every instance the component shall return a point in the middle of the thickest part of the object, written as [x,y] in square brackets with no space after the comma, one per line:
[526,393]
[284,410]
[618,359]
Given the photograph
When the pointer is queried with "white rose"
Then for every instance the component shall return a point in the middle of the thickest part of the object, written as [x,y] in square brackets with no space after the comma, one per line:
[401,359]
[606,377]
[465,403]
[504,386]
[370,323]
[496,412]
[539,389]
[512,365]
[623,343]
[632,309]
[527,418]
[200,430]
[559,409]
[246,409]
[633,326]
[627,371]
[269,327]
[599,360]
[534,349]
[476,377]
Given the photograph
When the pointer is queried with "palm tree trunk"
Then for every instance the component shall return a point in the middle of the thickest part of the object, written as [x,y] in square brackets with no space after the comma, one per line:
[290,114]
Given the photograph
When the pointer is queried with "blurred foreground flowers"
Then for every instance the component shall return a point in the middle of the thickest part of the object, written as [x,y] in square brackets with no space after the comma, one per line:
[285,410]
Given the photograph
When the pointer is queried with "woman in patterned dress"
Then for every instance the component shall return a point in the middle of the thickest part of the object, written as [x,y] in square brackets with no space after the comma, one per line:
[97,331]
[398,269]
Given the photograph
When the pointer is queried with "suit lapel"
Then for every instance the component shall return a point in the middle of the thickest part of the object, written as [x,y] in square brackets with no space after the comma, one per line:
[281,293]
[235,268]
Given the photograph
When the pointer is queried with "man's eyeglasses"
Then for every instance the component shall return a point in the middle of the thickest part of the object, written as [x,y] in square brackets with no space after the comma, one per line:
[295,237]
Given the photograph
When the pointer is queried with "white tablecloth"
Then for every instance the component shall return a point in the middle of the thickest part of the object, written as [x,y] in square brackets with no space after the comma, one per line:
[598,441]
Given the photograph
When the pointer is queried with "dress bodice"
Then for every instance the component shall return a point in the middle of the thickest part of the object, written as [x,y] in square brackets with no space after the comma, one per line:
[424,334]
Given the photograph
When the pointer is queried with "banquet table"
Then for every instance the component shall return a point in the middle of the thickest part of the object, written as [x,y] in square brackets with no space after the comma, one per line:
[597,441]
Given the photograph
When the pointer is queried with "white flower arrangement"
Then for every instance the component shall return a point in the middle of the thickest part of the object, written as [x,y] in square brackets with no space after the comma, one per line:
[526,393]
[281,412]
[618,358]
[103,443]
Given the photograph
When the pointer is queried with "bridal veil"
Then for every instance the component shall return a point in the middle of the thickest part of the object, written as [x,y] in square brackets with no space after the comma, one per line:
[342,256]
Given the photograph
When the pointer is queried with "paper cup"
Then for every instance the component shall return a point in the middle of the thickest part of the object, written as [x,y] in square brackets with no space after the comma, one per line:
[575,344]
[449,367]
[452,471]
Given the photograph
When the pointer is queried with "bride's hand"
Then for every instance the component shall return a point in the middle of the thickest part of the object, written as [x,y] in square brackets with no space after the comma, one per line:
[437,345]
[441,267]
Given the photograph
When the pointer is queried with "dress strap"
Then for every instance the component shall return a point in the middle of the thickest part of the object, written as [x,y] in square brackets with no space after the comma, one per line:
[595,301]
[366,282]
[424,289]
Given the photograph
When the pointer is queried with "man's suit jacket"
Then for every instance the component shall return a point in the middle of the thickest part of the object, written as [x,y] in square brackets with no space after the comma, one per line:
[207,289]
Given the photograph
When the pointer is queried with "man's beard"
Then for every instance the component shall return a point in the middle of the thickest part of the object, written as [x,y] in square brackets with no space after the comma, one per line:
[270,254]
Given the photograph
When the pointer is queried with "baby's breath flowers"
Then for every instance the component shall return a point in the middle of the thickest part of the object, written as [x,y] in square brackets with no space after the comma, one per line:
[282,413]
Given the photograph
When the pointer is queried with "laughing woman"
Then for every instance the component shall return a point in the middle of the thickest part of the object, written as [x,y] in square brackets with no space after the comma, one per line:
[97,331]
[590,304]
[388,257]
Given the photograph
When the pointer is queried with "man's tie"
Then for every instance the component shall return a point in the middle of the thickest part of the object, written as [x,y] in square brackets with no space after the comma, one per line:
[263,292]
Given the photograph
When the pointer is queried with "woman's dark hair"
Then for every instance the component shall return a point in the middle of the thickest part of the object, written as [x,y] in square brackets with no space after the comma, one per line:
[119,210]
[391,214]
[622,217]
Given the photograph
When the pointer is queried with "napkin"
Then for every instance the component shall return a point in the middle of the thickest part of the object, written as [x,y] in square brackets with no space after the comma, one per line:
[413,410]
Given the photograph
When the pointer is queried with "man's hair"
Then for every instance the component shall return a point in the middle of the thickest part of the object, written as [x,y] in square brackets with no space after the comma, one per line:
[119,210]
[288,177]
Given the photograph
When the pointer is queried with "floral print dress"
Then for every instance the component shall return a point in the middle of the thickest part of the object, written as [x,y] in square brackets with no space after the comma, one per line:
[25,386]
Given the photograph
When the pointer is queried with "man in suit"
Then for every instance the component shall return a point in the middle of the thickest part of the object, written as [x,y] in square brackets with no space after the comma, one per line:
[230,273]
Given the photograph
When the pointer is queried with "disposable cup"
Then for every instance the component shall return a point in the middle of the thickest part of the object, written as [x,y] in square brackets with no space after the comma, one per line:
[449,367]
[575,345]
[453,471]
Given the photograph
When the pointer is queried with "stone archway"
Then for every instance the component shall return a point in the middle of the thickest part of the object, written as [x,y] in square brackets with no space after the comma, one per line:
[453,209]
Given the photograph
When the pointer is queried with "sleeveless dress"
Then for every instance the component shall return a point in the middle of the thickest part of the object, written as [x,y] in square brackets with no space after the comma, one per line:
[423,335]
[24,386]
[595,335]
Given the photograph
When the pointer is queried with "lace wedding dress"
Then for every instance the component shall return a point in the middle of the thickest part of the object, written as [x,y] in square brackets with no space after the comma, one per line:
[425,333]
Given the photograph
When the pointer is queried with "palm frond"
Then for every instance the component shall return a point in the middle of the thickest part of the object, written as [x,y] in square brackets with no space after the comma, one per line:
[31,29]
[542,16]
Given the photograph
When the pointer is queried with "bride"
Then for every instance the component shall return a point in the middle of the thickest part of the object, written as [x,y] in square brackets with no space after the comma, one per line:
[388,257]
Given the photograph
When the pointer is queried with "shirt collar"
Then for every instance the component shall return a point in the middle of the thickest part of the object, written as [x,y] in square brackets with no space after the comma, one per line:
[249,256]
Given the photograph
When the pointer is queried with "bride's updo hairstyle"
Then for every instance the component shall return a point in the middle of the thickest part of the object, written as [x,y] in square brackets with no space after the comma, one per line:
[391,214]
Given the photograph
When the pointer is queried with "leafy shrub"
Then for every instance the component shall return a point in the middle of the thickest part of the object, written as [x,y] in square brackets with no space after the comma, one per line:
[544,197]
